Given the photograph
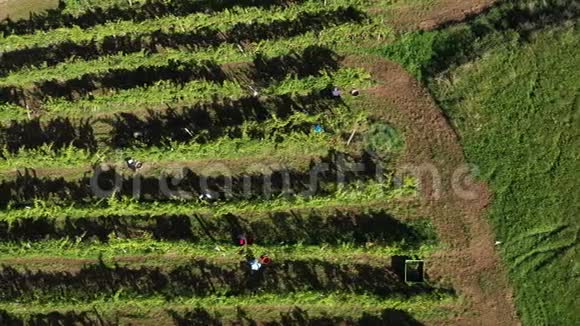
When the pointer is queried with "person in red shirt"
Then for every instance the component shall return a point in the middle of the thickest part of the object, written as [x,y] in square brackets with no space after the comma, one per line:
[243,240]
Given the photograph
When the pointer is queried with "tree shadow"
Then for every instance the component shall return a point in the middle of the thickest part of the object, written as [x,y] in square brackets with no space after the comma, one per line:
[192,40]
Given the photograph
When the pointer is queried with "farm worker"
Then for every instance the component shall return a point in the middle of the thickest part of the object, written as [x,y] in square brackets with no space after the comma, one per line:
[243,240]
[208,196]
[255,265]
[255,92]
[264,259]
[318,129]
[336,92]
[133,164]
[354,92]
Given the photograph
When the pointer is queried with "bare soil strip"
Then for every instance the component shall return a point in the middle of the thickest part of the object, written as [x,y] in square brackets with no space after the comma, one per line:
[472,263]
[443,12]
[21,9]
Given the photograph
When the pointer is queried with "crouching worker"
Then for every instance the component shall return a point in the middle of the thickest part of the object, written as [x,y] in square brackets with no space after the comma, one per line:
[256,264]
[209,196]
[133,164]
[244,240]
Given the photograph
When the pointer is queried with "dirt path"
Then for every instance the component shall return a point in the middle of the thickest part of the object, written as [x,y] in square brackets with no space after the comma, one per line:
[17,9]
[413,16]
[457,204]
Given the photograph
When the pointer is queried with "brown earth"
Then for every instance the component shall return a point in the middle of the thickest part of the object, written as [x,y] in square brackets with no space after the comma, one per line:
[413,16]
[456,203]
[18,9]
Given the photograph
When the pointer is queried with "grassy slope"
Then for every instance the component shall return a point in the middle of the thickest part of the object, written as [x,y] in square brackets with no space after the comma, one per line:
[517,110]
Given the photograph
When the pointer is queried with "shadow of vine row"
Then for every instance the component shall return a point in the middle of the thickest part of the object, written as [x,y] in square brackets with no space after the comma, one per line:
[58,132]
[61,132]
[322,178]
[209,121]
[310,228]
[192,40]
[200,123]
[152,9]
[310,62]
[202,278]
[293,317]
[73,317]
[206,317]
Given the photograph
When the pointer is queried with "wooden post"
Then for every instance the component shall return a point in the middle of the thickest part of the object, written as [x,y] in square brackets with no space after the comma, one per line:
[351,135]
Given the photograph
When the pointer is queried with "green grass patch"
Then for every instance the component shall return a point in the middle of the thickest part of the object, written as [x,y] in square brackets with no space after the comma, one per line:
[384,139]
[518,112]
